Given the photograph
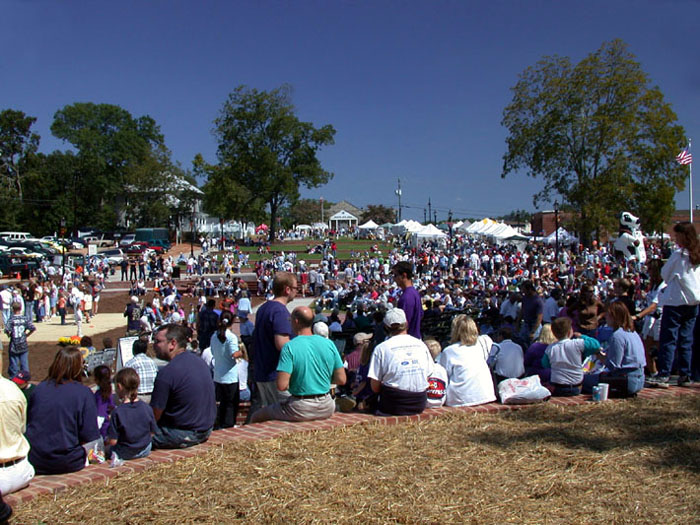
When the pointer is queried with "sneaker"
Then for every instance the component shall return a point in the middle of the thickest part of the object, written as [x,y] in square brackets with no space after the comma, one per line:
[660,381]
[684,381]
[345,404]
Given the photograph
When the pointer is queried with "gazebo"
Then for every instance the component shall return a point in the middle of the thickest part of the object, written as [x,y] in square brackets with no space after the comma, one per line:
[343,219]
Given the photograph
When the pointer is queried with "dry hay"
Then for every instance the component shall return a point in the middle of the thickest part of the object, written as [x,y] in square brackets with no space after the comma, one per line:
[636,461]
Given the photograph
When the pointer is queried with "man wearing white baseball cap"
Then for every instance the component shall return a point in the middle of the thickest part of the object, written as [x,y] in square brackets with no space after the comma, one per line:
[400,368]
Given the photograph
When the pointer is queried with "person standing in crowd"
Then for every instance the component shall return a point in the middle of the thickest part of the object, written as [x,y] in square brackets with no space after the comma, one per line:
[207,322]
[18,328]
[224,350]
[680,306]
[410,301]
[273,329]
[132,312]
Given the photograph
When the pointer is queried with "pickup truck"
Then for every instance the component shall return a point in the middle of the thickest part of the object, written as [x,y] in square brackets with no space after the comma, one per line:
[12,264]
[99,240]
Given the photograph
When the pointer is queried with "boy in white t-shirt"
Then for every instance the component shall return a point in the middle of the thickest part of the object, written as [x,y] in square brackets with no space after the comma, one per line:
[565,358]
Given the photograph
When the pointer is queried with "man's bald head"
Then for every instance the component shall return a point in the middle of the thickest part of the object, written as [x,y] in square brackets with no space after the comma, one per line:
[302,318]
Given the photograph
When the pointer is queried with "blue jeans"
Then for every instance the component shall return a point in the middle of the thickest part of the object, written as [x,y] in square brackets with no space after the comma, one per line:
[635,380]
[167,437]
[17,362]
[28,309]
[677,323]
[126,453]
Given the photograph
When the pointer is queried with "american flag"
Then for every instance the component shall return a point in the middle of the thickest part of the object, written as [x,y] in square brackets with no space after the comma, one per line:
[684,157]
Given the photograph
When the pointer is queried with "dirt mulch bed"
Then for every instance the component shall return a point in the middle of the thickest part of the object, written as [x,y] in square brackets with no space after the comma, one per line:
[636,461]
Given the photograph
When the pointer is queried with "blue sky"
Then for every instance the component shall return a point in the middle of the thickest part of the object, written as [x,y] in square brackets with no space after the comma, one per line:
[415,90]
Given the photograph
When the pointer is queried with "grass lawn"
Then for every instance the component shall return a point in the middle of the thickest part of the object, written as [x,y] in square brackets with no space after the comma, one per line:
[635,461]
[345,246]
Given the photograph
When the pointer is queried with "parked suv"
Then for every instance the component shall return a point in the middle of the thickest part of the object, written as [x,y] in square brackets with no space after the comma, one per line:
[127,240]
[115,256]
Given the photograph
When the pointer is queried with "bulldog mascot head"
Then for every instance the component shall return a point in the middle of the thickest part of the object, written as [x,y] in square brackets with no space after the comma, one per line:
[630,243]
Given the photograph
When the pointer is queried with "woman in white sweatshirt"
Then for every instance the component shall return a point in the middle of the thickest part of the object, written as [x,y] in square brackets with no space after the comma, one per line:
[680,301]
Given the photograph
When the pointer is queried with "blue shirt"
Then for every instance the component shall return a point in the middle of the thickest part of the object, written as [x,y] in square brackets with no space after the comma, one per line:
[272,318]
[184,391]
[60,418]
[625,352]
[131,424]
[225,371]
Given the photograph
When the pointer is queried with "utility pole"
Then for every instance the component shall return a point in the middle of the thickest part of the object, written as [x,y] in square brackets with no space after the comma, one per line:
[430,213]
[321,210]
[435,215]
[425,218]
[398,194]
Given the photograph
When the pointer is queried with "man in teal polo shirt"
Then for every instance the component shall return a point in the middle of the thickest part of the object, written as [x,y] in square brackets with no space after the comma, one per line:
[307,366]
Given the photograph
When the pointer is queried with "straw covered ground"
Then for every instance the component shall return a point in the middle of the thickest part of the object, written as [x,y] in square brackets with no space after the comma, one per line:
[635,461]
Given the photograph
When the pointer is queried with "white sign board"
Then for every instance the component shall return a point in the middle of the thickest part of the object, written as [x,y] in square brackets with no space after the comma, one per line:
[92,249]
[125,350]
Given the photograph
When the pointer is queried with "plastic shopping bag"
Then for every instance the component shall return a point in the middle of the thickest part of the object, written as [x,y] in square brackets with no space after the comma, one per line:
[522,391]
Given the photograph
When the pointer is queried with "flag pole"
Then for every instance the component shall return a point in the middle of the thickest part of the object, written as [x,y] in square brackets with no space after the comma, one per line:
[690,186]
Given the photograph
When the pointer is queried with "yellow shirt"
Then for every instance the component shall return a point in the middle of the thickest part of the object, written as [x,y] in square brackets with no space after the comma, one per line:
[13,422]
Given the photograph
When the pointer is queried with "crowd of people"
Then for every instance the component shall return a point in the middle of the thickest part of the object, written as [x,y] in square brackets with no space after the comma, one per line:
[408,329]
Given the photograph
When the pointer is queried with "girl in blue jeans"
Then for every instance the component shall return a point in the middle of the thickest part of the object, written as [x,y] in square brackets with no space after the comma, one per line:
[680,301]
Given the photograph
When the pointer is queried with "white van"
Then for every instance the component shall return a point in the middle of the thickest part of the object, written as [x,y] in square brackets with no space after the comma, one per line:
[15,236]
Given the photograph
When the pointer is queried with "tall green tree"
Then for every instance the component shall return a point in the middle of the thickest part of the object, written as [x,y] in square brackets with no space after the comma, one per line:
[110,143]
[600,137]
[18,144]
[379,213]
[264,147]
[225,196]
[50,193]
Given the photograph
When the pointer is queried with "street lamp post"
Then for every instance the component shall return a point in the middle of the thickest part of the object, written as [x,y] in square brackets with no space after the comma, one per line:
[192,233]
[556,231]
[63,245]
[398,194]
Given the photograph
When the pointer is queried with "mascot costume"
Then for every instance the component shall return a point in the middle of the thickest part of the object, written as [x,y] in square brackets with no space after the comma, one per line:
[630,243]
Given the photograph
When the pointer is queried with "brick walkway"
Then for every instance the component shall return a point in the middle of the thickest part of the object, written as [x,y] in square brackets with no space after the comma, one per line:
[272,429]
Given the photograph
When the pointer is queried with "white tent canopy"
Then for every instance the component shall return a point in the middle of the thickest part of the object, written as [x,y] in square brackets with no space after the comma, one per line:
[305,227]
[565,237]
[427,233]
[369,225]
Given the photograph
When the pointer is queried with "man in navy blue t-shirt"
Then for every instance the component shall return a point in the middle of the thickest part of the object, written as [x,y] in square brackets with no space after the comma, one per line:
[183,400]
[273,329]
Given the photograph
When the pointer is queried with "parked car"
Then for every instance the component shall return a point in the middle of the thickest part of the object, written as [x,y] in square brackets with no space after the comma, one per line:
[114,256]
[137,248]
[160,243]
[127,239]
[11,264]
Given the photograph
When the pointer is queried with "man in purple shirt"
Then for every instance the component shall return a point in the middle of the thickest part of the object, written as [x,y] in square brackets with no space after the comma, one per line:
[409,301]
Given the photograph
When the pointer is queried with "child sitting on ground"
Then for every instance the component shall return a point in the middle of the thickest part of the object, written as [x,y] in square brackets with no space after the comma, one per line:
[103,397]
[132,423]
[565,358]
[437,381]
